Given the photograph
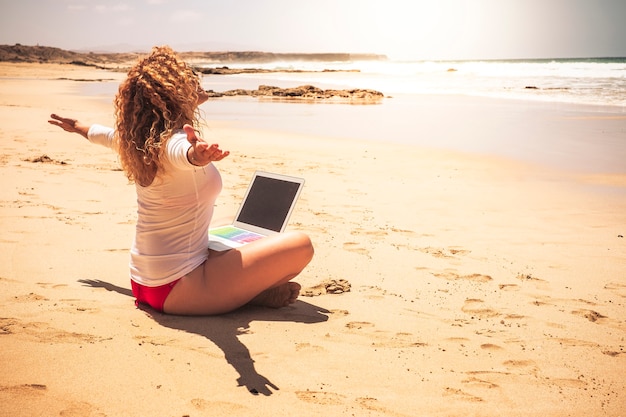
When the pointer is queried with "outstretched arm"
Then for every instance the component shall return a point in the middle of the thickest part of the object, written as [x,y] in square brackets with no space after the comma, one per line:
[200,153]
[69,125]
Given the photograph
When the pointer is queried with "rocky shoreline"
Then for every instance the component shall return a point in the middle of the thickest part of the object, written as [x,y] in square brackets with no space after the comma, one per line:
[122,61]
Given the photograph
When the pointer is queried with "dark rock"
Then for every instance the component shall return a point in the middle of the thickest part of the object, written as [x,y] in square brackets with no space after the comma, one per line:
[307,92]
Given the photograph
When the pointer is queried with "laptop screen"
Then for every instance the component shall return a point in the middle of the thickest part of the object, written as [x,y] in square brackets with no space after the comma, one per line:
[268,202]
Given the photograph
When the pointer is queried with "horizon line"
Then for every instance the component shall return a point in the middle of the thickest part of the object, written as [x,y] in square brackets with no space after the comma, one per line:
[146,50]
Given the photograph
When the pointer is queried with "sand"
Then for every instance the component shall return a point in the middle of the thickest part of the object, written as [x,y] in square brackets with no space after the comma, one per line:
[472,285]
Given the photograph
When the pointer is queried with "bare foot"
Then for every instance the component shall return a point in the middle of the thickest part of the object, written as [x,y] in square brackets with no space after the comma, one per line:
[277,297]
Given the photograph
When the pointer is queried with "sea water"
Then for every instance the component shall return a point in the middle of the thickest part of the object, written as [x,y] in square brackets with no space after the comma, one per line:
[538,111]
[541,111]
[599,81]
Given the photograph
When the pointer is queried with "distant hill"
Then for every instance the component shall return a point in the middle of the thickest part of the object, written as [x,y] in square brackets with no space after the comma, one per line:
[47,54]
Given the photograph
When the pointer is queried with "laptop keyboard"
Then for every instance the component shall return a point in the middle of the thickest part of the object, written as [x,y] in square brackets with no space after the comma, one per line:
[236,235]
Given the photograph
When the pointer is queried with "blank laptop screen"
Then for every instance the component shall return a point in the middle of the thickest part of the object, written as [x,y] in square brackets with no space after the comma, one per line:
[268,203]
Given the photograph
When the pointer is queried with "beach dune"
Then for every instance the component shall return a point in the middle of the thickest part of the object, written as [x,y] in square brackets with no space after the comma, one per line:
[443,283]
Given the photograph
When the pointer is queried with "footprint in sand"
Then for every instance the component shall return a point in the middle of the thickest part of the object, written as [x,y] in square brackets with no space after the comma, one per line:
[461,395]
[539,283]
[329,286]
[568,383]
[359,325]
[617,288]
[592,316]
[326,216]
[384,339]
[479,383]
[373,292]
[155,341]
[567,341]
[307,347]
[612,353]
[450,252]
[72,305]
[27,298]
[478,309]
[519,364]
[24,389]
[44,159]
[375,233]
[452,275]
[80,409]
[339,312]
[321,397]
[44,333]
[509,287]
[51,285]
[400,340]
[310,229]
[403,231]
[355,247]
[372,404]
[490,347]
[218,407]
[459,340]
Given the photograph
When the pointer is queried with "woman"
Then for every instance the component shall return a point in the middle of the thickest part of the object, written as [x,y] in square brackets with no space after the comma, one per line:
[177,183]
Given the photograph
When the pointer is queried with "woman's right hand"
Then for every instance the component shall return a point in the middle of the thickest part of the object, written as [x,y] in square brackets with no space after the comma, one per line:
[69,125]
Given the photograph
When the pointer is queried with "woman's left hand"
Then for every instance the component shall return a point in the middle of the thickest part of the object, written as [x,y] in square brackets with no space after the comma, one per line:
[201,153]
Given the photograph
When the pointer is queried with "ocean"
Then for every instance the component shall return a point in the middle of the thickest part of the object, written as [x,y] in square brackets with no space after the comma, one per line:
[594,81]
[527,110]
[538,111]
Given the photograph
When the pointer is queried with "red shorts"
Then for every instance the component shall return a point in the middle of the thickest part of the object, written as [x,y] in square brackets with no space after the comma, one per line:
[153,296]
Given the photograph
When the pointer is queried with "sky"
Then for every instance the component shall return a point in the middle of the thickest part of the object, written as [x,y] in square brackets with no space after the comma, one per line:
[400,29]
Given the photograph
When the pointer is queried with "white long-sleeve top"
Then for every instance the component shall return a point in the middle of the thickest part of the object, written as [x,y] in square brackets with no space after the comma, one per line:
[173,213]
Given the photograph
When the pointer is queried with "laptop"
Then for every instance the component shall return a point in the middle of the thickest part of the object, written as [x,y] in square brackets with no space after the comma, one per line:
[265,210]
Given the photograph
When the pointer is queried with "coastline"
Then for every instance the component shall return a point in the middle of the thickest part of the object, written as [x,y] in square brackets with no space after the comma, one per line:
[480,285]
[534,132]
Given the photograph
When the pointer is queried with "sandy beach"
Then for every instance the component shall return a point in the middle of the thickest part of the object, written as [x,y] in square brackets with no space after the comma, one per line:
[478,285]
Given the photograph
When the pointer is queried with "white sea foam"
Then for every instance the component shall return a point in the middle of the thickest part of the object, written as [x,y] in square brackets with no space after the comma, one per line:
[584,81]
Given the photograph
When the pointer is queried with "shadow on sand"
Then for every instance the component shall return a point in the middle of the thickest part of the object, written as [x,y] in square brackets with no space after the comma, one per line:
[223,330]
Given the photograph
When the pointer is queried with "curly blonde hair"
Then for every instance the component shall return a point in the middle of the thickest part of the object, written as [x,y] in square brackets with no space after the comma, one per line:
[159,96]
